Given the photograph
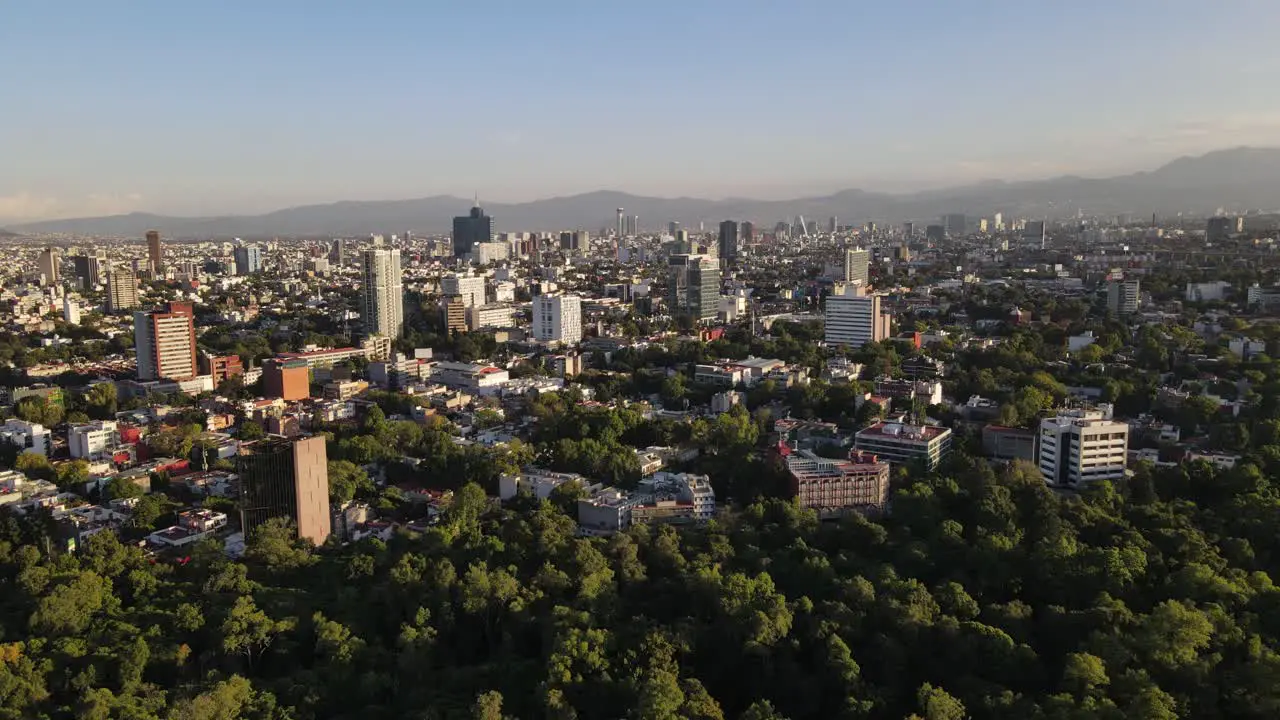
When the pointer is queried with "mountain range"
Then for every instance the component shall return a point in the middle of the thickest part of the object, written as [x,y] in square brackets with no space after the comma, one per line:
[1239,178]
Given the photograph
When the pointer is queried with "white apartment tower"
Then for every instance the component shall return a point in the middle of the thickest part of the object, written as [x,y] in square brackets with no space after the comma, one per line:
[383,292]
[857,266]
[1080,447]
[854,318]
[1122,297]
[558,318]
[469,287]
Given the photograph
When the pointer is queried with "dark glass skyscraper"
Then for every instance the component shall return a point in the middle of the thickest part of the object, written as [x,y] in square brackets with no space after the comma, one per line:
[728,241]
[471,229]
[285,477]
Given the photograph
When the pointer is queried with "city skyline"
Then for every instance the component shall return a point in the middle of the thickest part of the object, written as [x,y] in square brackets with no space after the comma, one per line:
[897,97]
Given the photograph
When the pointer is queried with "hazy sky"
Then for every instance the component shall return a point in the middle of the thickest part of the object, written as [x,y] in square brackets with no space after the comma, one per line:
[250,105]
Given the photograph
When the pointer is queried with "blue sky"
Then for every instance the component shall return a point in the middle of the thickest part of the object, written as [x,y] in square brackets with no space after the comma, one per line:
[251,105]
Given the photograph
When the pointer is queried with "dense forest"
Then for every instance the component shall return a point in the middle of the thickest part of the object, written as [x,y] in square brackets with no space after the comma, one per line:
[983,594]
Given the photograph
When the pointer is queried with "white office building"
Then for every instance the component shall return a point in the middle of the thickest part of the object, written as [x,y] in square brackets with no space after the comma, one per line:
[558,318]
[92,441]
[469,287]
[1076,448]
[854,318]
[857,266]
[70,311]
[383,292]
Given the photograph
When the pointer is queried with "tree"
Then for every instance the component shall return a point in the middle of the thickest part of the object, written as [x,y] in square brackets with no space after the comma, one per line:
[73,473]
[488,706]
[122,488]
[936,704]
[346,480]
[34,465]
[249,631]
[251,430]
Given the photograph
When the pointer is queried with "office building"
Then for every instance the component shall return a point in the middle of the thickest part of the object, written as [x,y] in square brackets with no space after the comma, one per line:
[853,317]
[1033,235]
[383,292]
[48,265]
[857,266]
[470,288]
[682,242]
[288,379]
[455,314]
[1220,228]
[155,253]
[956,224]
[285,478]
[339,254]
[94,440]
[900,443]
[475,227]
[835,487]
[88,269]
[908,229]
[748,232]
[728,241]
[1123,297]
[621,226]
[672,227]
[248,260]
[122,290]
[935,233]
[694,287]
[557,319]
[1081,447]
[221,367]
[165,342]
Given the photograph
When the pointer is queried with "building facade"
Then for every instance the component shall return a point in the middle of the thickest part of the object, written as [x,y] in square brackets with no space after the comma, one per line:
[694,287]
[1082,447]
[475,227]
[854,318]
[901,443]
[248,260]
[165,343]
[558,318]
[834,487]
[469,287]
[287,379]
[1123,297]
[289,478]
[383,292]
[122,290]
[155,252]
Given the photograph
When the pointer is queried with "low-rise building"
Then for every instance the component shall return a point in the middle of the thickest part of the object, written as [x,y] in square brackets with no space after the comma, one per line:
[28,436]
[94,440]
[1006,443]
[538,483]
[475,379]
[899,442]
[193,526]
[835,487]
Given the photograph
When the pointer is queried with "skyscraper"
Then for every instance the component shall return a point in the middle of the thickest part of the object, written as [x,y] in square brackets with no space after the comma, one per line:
[672,227]
[155,254]
[1123,297]
[748,232]
[48,264]
[248,260]
[857,266]
[621,227]
[383,292]
[908,229]
[956,224]
[833,224]
[558,318]
[165,343]
[339,252]
[694,286]
[285,478]
[122,290]
[728,241]
[88,268]
[470,229]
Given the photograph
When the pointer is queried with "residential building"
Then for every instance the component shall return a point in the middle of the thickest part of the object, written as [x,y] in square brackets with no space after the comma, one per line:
[1123,297]
[383,292]
[455,314]
[1080,447]
[694,287]
[1206,291]
[248,259]
[834,487]
[27,436]
[165,343]
[723,402]
[289,478]
[286,378]
[468,287]
[122,290]
[493,315]
[857,266]
[221,367]
[557,319]
[70,311]
[93,440]
[399,371]
[854,318]
[901,443]
[475,227]
[538,483]
[193,526]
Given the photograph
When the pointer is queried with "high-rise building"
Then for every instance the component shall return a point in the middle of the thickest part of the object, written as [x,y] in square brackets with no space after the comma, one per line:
[854,318]
[908,229]
[956,224]
[469,287]
[70,311]
[857,266]
[165,343]
[833,224]
[48,264]
[122,290]
[288,379]
[248,260]
[155,253]
[455,314]
[694,286]
[1081,447]
[383,292]
[285,478]
[682,242]
[935,233]
[1123,297]
[470,229]
[621,227]
[1033,235]
[88,269]
[1217,229]
[999,221]
[748,232]
[558,318]
[339,252]
[672,227]
[728,241]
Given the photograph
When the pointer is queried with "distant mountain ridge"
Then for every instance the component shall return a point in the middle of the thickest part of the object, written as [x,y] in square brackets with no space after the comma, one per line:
[1236,178]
